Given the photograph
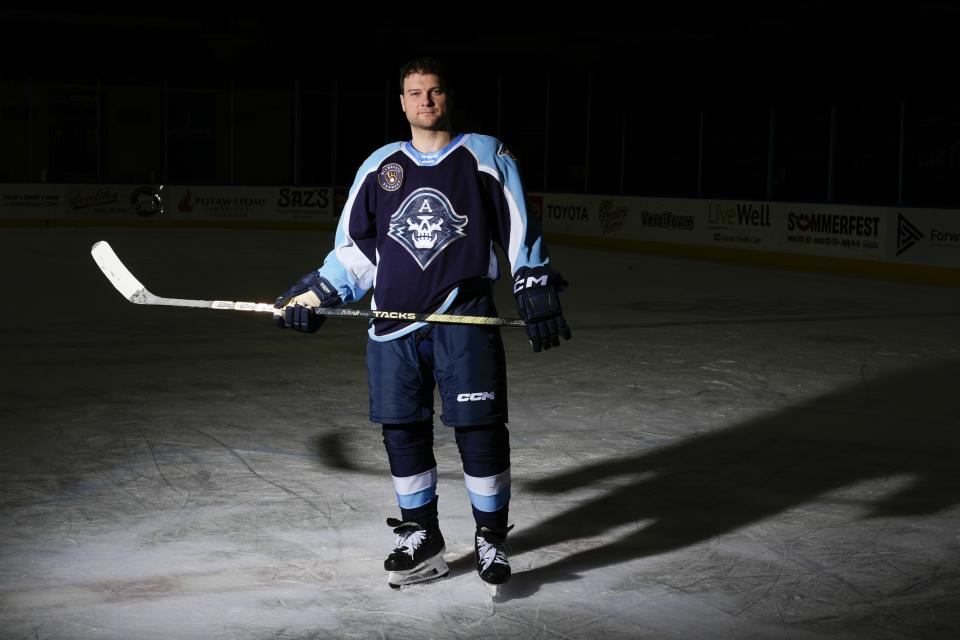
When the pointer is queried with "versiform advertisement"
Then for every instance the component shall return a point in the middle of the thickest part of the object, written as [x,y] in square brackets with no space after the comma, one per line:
[840,231]
[925,236]
[889,234]
[115,203]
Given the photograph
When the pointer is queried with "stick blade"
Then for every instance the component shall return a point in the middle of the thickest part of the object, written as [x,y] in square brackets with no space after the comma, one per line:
[118,275]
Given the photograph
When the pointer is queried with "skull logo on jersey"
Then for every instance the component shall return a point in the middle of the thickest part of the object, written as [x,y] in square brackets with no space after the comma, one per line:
[426,224]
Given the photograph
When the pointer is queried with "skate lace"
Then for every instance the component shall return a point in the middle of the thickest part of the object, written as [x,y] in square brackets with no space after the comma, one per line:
[409,541]
[489,553]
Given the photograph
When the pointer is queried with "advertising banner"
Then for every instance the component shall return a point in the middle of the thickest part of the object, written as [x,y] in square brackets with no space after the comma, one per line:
[928,237]
[842,231]
[265,204]
[18,201]
[925,236]
[127,203]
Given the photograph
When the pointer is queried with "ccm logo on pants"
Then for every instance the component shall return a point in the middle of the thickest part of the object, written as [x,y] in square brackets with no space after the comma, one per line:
[474,397]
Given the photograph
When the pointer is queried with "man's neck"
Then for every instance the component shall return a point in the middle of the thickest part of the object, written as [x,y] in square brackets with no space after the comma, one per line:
[426,141]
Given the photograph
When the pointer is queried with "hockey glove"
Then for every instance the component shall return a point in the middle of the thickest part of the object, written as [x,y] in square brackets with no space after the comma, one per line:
[539,306]
[295,308]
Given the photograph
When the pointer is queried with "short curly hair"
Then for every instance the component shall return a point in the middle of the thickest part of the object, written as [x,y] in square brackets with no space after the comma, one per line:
[425,66]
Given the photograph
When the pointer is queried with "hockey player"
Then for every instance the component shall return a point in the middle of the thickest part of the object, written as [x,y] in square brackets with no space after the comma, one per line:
[418,228]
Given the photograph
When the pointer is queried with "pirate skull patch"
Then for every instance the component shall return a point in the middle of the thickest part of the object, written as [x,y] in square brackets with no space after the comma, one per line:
[426,224]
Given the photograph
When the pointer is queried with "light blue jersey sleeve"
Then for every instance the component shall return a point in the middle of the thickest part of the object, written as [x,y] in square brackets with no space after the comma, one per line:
[520,234]
[351,266]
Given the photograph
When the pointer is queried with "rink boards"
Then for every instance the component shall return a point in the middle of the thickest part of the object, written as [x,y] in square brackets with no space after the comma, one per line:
[918,244]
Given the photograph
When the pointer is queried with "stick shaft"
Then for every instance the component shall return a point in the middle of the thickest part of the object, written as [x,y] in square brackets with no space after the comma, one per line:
[385,315]
[134,291]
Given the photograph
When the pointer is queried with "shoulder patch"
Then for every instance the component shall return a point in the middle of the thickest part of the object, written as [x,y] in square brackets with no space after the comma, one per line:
[390,177]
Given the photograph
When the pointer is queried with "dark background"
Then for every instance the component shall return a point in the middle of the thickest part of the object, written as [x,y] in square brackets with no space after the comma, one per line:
[852,102]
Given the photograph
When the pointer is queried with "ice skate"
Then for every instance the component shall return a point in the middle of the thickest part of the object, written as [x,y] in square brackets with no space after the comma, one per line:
[491,551]
[417,556]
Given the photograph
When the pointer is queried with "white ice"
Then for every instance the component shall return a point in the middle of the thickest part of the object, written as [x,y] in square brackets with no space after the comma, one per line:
[720,452]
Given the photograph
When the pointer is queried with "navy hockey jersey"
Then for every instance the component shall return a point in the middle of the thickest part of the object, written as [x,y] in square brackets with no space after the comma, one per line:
[417,225]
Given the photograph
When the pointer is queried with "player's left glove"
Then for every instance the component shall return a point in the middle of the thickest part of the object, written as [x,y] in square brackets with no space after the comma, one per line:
[295,308]
[537,301]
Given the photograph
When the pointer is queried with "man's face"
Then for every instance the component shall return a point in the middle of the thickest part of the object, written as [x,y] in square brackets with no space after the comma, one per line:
[424,100]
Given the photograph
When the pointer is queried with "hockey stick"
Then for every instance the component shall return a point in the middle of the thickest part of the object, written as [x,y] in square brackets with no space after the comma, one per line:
[132,289]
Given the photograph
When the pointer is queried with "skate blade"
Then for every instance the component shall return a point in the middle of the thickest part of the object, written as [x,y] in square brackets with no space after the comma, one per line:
[493,589]
[432,569]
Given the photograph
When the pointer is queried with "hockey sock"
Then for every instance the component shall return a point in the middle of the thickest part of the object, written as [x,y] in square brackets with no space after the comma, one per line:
[414,470]
[485,452]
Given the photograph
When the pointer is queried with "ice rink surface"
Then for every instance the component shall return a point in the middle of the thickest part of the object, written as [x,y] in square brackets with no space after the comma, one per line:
[720,452]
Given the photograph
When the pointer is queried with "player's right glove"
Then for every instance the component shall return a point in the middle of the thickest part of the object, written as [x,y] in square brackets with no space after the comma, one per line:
[539,306]
[295,308]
